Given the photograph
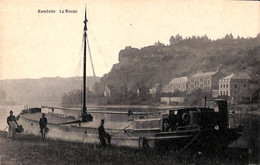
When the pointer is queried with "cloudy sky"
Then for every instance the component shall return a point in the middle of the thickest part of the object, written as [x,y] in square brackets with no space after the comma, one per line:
[35,45]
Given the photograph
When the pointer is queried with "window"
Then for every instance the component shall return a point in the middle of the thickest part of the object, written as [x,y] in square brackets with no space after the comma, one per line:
[227,85]
[235,87]
[220,85]
[227,93]
[244,85]
[223,85]
[221,93]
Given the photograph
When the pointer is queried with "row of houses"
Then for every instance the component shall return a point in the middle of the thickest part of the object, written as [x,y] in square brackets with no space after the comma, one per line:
[238,84]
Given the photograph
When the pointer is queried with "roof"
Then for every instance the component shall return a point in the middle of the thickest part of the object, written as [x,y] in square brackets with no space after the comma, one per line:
[156,85]
[205,74]
[179,80]
[239,75]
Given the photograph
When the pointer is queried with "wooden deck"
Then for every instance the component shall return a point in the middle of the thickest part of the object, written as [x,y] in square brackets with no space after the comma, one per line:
[53,119]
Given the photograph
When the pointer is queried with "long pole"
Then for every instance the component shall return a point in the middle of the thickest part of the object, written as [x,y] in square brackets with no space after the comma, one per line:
[6,127]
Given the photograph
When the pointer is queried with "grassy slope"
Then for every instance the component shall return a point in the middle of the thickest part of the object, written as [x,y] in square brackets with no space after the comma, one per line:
[29,149]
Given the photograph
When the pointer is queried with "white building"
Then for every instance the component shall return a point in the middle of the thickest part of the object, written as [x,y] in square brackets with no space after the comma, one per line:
[177,84]
[238,86]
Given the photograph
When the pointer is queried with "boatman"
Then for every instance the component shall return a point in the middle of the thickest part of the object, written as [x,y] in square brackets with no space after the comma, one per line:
[103,134]
[11,121]
[43,125]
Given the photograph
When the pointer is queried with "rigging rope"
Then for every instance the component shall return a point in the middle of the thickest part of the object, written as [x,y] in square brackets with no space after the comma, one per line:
[120,74]
[77,83]
[91,59]
[98,48]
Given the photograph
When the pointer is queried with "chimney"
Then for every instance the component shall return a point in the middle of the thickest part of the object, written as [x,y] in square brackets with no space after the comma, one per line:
[223,114]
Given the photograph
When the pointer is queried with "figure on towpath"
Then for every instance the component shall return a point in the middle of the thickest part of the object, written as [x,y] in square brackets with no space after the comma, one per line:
[103,134]
[43,125]
[11,121]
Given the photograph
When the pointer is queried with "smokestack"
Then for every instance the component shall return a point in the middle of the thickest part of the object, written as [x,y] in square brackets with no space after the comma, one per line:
[223,113]
[205,102]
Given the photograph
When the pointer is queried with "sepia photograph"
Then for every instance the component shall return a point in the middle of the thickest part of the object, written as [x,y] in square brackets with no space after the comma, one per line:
[129,82]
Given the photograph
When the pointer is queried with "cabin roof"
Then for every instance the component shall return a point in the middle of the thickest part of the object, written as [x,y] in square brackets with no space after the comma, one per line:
[191,108]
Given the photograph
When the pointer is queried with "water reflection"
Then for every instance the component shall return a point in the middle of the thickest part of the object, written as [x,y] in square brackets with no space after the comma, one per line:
[251,135]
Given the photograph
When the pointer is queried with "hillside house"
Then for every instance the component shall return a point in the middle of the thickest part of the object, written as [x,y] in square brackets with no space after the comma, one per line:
[206,81]
[157,88]
[110,90]
[238,86]
[177,84]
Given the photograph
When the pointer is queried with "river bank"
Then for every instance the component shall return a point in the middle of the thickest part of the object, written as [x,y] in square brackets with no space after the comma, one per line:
[30,149]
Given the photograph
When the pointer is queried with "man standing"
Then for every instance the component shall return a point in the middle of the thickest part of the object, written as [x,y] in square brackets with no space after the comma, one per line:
[102,134]
[11,121]
[43,124]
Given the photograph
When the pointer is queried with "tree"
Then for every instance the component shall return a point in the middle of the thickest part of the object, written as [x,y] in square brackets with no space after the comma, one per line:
[205,37]
[229,37]
[258,35]
[176,39]
[72,99]
[172,40]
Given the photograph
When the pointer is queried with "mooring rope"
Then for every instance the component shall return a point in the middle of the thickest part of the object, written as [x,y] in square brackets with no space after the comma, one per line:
[195,137]
[122,129]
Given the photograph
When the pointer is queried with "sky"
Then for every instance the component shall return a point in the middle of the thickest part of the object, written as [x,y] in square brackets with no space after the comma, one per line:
[36,45]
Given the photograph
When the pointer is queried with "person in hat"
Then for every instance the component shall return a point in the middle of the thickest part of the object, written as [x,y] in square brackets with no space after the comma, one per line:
[11,121]
[103,134]
[43,125]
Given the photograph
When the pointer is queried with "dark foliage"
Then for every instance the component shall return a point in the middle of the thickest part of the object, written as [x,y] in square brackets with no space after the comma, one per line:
[145,67]
[159,63]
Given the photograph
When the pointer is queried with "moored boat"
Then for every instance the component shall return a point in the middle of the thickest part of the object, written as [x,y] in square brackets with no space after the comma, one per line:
[178,128]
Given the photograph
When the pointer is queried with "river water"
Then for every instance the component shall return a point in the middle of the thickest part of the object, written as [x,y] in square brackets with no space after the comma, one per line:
[5,109]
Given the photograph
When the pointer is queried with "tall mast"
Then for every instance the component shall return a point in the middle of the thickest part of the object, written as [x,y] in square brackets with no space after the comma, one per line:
[85,117]
[84,63]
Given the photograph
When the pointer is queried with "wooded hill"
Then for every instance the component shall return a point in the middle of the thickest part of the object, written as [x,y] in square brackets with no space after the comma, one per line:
[43,90]
[145,67]
[159,63]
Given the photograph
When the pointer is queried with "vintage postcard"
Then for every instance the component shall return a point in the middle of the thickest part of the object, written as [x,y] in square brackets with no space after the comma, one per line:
[129,82]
